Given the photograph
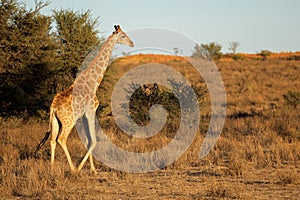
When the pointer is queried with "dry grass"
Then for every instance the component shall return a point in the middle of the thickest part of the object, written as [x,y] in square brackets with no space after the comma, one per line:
[258,56]
[257,155]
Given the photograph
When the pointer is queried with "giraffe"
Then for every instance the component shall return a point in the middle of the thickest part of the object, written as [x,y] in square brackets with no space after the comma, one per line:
[79,100]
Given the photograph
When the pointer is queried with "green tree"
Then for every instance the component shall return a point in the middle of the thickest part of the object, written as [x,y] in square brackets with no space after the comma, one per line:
[26,51]
[214,49]
[265,53]
[199,51]
[76,35]
[24,36]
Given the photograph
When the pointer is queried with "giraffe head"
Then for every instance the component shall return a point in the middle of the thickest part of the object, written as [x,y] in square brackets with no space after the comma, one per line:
[121,37]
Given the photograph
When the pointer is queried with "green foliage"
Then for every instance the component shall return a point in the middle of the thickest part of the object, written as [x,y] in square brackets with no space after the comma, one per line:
[292,99]
[24,37]
[238,56]
[77,35]
[199,51]
[26,52]
[265,53]
[145,97]
[141,101]
[214,49]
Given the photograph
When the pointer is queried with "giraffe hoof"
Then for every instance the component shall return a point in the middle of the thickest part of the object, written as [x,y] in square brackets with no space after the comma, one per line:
[94,171]
[74,171]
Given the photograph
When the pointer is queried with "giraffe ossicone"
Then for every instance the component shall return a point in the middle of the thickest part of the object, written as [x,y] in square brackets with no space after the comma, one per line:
[79,100]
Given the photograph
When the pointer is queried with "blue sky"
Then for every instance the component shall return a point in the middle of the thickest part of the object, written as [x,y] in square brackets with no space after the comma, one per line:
[256,25]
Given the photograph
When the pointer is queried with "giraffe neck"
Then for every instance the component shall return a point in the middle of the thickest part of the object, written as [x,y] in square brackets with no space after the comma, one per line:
[95,71]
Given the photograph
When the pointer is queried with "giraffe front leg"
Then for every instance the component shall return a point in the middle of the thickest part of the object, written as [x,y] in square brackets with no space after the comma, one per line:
[93,169]
[87,155]
[92,133]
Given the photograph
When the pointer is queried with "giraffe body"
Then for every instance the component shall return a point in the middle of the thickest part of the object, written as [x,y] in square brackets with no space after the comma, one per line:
[80,99]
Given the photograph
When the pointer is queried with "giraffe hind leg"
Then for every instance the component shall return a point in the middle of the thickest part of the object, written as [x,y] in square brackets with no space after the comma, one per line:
[62,140]
[54,134]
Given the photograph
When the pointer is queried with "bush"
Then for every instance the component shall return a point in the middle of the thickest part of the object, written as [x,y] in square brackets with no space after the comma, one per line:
[144,97]
[214,49]
[265,53]
[238,56]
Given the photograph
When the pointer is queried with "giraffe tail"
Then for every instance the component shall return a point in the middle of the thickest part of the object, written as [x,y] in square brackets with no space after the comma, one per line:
[42,143]
[47,134]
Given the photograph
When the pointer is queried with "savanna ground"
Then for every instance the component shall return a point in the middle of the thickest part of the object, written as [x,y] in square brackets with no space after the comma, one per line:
[257,155]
